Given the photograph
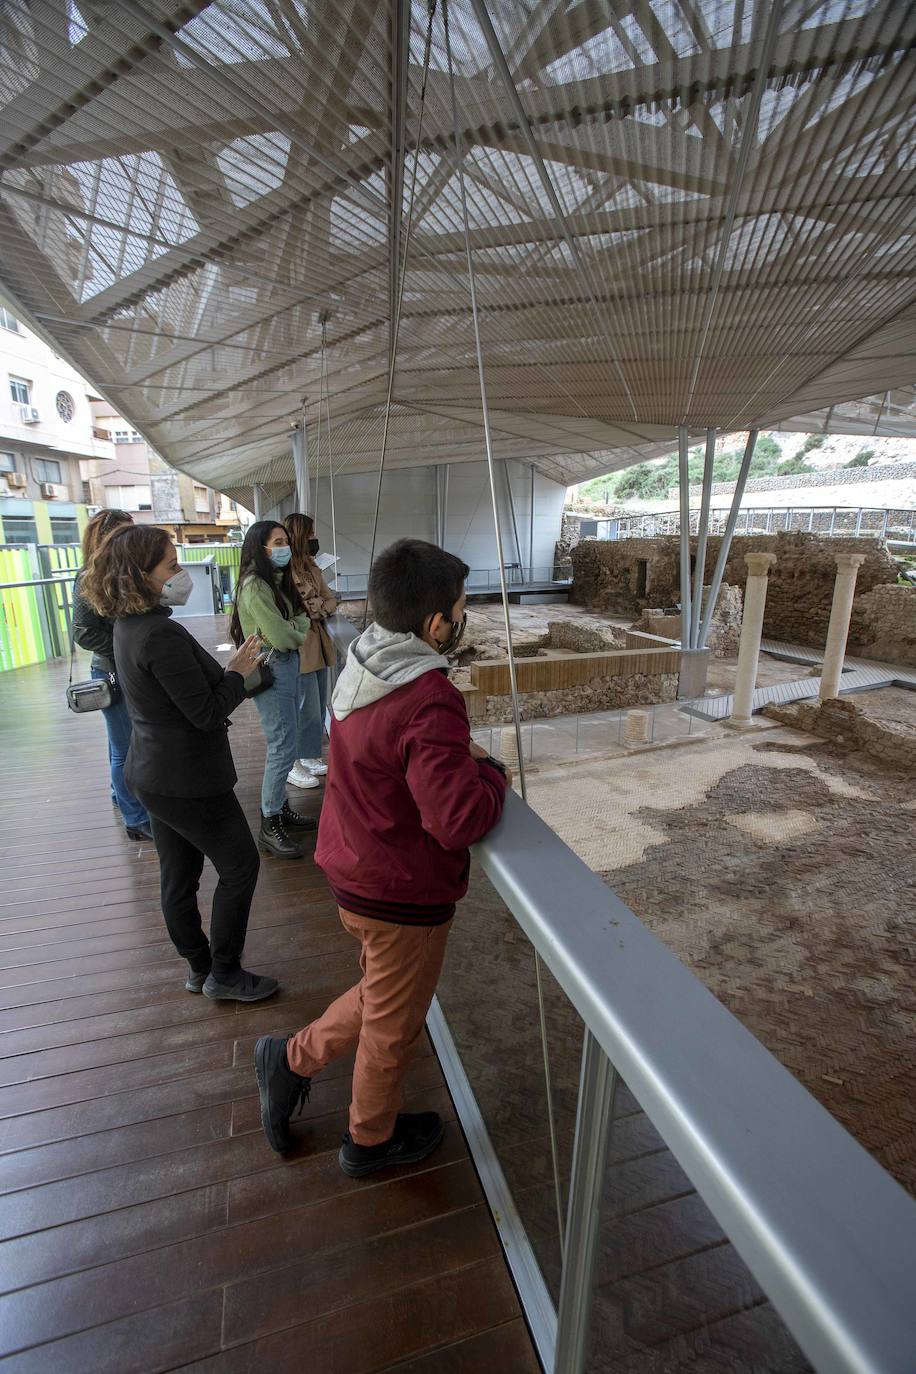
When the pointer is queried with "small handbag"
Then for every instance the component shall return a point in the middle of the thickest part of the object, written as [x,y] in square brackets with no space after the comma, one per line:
[258,680]
[93,695]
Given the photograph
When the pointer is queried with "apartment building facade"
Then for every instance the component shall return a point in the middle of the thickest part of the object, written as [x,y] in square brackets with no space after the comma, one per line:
[65,452]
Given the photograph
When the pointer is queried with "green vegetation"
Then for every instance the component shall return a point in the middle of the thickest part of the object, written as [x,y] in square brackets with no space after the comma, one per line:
[862,458]
[652,481]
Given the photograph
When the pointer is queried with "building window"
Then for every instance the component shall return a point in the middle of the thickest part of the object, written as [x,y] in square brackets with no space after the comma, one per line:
[46,470]
[134,497]
[7,462]
[65,407]
[19,529]
[642,576]
[201,500]
[21,391]
[9,321]
[126,436]
[64,531]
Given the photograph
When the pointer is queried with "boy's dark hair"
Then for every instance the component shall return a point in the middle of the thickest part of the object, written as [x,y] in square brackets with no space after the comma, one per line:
[412,580]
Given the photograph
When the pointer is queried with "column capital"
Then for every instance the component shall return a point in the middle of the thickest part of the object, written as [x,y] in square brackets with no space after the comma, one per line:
[759,564]
[848,562]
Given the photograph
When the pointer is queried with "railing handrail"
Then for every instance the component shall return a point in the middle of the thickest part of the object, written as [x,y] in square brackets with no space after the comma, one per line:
[828,1234]
[41,581]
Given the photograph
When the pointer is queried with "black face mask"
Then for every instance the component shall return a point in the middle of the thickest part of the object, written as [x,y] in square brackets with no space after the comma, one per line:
[313,547]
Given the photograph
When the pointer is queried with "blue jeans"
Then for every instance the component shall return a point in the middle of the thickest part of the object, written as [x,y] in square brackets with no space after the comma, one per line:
[313,700]
[278,708]
[117,723]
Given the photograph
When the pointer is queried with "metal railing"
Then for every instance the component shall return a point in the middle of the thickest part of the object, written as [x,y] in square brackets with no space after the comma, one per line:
[898,525]
[519,576]
[827,1233]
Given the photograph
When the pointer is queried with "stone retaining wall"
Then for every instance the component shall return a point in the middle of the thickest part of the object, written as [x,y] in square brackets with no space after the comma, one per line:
[626,576]
[558,684]
[598,694]
[883,625]
[825,477]
[841,721]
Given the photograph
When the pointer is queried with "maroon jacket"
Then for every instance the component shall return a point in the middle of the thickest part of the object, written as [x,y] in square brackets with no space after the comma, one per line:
[403,800]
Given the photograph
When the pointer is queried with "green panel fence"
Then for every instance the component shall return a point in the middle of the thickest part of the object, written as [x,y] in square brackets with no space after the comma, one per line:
[36,595]
[34,609]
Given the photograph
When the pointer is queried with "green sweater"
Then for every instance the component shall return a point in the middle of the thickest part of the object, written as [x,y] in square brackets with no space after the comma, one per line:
[259,615]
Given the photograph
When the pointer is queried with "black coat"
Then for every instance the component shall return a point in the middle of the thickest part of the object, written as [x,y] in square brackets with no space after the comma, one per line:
[91,630]
[178,698]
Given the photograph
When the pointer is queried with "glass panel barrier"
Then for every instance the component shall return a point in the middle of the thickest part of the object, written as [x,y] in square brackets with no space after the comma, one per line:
[669,1290]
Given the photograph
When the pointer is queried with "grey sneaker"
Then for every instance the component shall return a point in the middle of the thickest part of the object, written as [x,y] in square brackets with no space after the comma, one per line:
[279,1089]
[244,987]
[195,981]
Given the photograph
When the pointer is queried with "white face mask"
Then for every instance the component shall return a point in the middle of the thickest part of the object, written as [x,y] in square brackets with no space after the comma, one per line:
[176,591]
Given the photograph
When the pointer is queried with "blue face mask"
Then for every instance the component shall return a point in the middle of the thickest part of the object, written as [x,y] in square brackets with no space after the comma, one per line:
[280,555]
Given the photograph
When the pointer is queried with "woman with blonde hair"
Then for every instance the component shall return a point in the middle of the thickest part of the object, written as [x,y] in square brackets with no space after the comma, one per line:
[180,764]
[316,655]
[96,632]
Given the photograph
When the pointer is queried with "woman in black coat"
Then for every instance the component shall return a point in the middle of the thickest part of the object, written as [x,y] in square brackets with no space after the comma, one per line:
[96,632]
[179,764]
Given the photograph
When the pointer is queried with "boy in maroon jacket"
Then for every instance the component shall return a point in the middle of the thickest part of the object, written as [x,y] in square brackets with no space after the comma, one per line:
[407,793]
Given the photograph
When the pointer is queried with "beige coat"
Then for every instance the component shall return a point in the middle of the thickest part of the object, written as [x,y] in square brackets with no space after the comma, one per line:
[320,602]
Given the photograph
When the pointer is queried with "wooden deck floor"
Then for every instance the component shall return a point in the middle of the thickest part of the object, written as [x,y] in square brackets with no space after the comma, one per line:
[145,1225]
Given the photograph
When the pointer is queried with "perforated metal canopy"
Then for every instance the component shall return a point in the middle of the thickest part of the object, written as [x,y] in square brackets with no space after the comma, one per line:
[682,211]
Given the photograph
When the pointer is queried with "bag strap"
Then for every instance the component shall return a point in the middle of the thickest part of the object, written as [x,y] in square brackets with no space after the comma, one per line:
[72,633]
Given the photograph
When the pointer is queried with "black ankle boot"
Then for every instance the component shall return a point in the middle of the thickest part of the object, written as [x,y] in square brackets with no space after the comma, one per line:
[294,821]
[273,839]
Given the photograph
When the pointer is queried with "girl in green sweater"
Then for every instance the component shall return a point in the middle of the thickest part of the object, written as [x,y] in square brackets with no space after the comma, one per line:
[268,604]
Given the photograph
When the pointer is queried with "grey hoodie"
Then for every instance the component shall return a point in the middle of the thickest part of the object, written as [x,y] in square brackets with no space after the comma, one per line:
[379,662]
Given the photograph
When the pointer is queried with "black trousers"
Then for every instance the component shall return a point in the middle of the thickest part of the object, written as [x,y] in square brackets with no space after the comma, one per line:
[187,830]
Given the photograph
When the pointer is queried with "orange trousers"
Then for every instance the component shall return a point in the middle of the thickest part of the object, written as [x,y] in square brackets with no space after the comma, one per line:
[381,1018]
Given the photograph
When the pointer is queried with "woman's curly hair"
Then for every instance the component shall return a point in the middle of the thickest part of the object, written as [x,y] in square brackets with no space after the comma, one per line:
[116,581]
[102,524]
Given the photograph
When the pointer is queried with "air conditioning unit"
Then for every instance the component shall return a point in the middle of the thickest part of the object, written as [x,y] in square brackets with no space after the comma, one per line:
[29,415]
[49,490]
[15,479]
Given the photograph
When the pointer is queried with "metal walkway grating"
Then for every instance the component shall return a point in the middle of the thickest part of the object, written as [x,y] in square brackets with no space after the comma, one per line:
[859,675]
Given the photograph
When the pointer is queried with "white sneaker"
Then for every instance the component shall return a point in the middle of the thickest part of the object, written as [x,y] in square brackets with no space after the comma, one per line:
[316,766]
[301,777]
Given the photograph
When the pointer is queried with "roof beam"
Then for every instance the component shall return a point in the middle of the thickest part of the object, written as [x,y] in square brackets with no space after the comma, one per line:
[98,72]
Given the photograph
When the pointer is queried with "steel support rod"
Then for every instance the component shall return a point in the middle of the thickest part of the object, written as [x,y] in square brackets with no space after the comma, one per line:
[511,501]
[301,464]
[504,590]
[702,535]
[445,505]
[683,487]
[597,1086]
[256,501]
[725,546]
[533,471]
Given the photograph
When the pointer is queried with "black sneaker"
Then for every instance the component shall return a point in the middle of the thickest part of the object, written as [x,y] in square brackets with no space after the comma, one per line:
[416,1135]
[294,821]
[279,1089]
[243,987]
[195,981]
